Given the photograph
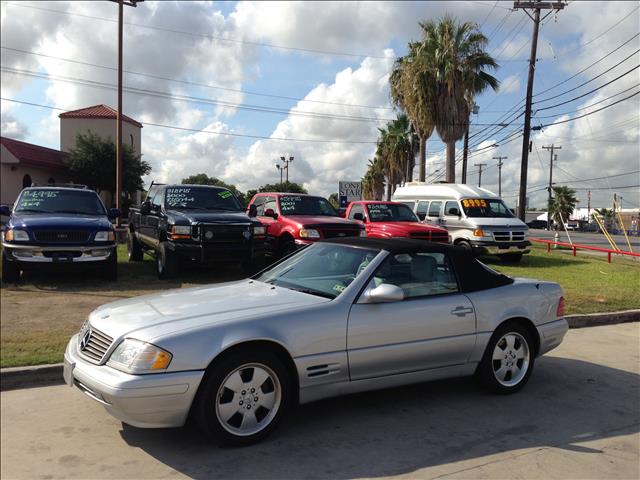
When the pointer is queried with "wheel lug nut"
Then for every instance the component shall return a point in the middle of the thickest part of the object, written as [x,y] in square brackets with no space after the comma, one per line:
[253,390]
[244,392]
[255,399]
[248,407]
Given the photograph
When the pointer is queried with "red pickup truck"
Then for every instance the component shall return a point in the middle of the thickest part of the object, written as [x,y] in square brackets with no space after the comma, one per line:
[392,219]
[293,219]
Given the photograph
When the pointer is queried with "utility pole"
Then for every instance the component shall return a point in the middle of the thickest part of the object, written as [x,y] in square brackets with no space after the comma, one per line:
[552,158]
[589,206]
[500,173]
[121,4]
[480,165]
[536,6]
[287,160]
[280,168]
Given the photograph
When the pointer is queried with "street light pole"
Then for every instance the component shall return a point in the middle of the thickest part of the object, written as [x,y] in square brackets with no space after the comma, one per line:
[287,160]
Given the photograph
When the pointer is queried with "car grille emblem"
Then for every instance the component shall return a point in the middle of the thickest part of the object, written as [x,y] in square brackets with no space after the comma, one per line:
[208,235]
[246,234]
[62,236]
[341,234]
[85,338]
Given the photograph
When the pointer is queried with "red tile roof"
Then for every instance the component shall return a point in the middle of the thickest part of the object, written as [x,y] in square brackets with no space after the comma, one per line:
[99,111]
[35,155]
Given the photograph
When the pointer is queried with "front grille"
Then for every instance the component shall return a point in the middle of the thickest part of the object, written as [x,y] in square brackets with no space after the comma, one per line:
[339,233]
[509,236]
[61,236]
[93,343]
[431,236]
[440,237]
[62,254]
[224,233]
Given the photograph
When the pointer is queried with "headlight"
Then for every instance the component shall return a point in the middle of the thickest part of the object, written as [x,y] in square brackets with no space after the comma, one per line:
[363,233]
[478,232]
[105,236]
[134,356]
[259,230]
[16,236]
[180,231]
[309,233]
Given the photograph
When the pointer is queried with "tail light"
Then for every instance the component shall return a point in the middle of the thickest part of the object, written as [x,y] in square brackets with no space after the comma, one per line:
[560,310]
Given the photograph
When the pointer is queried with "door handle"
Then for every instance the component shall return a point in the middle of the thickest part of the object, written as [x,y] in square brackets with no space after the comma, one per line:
[461,311]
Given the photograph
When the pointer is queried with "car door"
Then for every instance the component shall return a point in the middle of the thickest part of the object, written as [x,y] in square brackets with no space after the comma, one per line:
[421,209]
[153,219]
[144,229]
[451,220]
[272,227]
[434,214]
[434,326]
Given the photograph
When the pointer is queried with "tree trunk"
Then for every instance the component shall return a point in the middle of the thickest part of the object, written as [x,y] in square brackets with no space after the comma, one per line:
[451,162]
[423,158]
[389,186]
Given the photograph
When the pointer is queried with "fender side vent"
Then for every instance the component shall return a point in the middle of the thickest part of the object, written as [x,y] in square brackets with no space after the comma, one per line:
[319,370]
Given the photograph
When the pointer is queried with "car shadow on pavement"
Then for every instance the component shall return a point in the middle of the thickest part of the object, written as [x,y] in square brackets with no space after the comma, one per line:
[402,430]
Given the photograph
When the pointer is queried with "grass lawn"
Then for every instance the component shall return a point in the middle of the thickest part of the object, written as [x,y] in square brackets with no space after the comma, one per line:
[38,316]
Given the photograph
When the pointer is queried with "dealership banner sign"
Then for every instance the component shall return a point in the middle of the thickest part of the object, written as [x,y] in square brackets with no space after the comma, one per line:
[349,192]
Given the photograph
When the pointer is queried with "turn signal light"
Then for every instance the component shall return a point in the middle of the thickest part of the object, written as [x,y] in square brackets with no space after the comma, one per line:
[560,310]
[478,232]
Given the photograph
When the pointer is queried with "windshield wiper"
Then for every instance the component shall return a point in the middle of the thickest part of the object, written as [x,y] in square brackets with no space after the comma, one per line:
[310,291]
[31,210]
[79,212]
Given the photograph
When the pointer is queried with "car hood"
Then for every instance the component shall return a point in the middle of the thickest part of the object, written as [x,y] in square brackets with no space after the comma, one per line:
[214,216]
[397,227]
[152,316]
[496,223]
[323,221]
[56,221]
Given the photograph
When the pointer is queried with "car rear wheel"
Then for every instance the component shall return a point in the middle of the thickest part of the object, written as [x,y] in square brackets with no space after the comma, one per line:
[508,360]
[243,397]
[10,270]
[166,263]
[134,249]
[287,246]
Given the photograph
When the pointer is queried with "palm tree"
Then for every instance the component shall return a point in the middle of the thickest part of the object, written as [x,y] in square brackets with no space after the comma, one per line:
[373,181]
[412,89]
[563,204]
[455,55]
[395,150]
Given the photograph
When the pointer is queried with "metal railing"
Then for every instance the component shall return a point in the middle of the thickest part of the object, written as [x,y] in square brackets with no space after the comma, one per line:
[576,247]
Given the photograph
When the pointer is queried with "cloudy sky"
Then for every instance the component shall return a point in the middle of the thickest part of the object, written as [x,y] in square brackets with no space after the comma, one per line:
[231,86]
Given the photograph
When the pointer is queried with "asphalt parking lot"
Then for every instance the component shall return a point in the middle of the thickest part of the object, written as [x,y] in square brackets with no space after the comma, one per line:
[578,417]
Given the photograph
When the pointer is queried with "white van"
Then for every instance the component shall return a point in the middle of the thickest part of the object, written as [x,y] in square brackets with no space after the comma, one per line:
[476,218]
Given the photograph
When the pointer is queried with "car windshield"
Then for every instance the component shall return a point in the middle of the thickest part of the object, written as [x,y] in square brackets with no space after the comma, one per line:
[384,212]
[484,208]
[322,269]
[201,198]
[303,205]
[52,200]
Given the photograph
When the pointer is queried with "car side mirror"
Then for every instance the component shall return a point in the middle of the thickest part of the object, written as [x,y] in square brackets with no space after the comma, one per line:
[5,210]
[113,213]
[453,211]
[270,213]
[383,293]
[358,216]
[253,211]
[422,216]
[145,208]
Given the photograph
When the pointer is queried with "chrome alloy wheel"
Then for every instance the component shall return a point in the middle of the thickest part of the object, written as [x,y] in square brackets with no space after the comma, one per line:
[510,359]
[248,399]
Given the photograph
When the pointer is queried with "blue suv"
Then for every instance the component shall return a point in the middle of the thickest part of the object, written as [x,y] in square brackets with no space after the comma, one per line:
[58,225]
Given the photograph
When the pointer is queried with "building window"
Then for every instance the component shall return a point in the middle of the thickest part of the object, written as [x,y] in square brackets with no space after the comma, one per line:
[26,181]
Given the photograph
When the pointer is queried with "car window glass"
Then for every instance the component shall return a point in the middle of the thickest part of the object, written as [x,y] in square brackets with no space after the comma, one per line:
[84,202]
[417,274]
[155,200]
[487,208]
[422,207]
[270,203]
[152,191]
[390,212]
[410,204]
[434,209]
[449,206]
[259,203]
[355,209]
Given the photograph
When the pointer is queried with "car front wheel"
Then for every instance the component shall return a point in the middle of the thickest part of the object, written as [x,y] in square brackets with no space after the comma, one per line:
[508,360]
[242,398]
[167,263]
[134,249]
[10,270]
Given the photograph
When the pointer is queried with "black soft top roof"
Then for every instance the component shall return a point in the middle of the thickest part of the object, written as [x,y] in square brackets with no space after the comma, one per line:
[472,275]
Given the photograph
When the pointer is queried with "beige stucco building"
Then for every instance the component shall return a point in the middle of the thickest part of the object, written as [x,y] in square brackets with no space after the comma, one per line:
[22,164]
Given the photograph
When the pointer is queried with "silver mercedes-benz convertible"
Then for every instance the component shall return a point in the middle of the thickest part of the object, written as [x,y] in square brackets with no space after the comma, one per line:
[338,317]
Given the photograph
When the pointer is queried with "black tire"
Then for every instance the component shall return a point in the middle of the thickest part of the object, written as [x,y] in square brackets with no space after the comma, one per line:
[211,391]
[511,257]
[487,372]
[10,270]
[109,270]
[466,245]
[134,249]
[287,246]
[167,263]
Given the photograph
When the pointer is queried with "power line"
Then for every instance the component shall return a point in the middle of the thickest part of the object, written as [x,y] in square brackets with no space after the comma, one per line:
[197,84]
[587,67]
[203,35]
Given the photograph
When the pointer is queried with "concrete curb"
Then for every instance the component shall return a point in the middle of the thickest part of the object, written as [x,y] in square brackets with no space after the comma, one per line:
[43,375]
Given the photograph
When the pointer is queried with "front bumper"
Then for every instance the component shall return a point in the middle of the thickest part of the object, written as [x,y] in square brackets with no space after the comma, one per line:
[218,252]
[551,334]
[157,400]
[58,253]
[500,248]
